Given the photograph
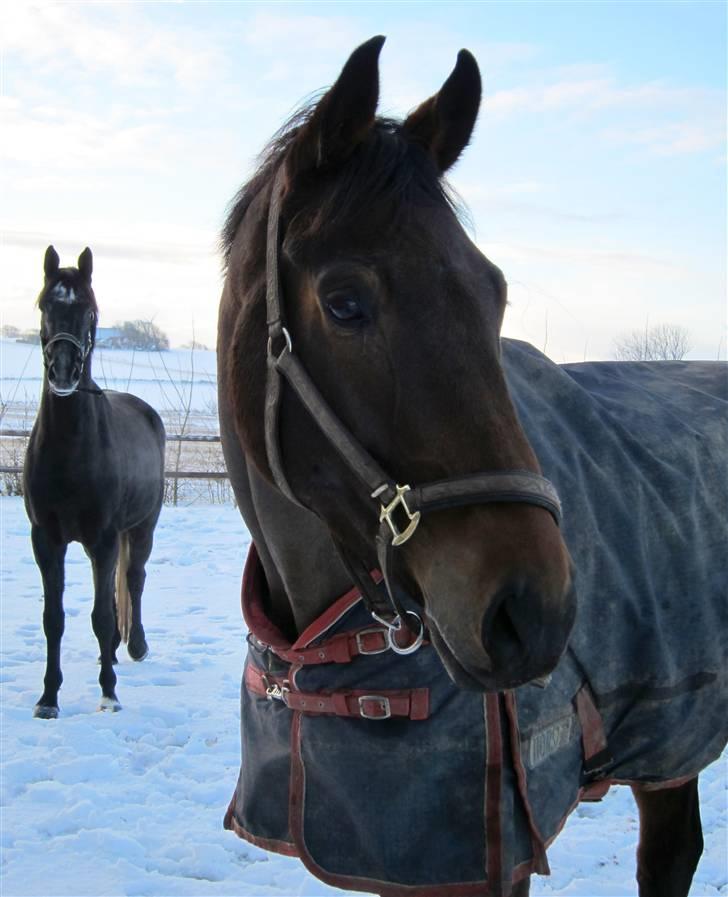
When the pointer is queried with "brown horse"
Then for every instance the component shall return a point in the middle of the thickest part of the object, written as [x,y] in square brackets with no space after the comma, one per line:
[367,423]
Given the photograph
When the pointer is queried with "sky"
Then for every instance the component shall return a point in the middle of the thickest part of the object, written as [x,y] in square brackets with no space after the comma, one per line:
[596,176]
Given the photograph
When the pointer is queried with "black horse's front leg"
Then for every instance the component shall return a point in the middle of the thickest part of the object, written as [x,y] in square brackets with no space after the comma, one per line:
[671,840]
[50,556]
[104,554]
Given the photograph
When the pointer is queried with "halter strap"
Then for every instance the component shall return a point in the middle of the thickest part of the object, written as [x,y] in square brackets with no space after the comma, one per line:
[84,350]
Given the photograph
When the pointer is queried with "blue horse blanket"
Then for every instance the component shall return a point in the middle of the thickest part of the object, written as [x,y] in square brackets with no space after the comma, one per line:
[383,776]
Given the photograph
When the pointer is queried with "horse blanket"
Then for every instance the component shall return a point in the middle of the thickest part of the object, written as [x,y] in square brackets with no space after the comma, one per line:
[382,776]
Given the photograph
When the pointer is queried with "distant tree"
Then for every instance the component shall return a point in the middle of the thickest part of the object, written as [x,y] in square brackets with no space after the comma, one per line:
[144,335]
[194,346]
[8,331]
[663,342]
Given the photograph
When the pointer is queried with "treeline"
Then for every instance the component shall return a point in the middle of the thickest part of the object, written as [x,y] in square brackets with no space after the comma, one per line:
[142,335]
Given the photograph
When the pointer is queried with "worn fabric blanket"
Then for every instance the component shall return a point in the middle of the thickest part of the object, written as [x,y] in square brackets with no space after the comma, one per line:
[638,452]
[457,793]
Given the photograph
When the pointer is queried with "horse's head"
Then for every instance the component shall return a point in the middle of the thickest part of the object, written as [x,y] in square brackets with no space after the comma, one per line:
[68,321]
[395,314]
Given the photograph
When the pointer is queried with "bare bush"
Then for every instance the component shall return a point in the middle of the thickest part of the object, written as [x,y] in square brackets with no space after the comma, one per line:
[663,342]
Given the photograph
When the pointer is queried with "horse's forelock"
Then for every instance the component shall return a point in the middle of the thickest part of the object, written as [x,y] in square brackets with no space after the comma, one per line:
[387,171]
[68,288]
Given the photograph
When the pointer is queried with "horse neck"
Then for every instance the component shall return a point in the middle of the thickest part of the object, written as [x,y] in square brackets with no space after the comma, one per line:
[302,567]
[72,416]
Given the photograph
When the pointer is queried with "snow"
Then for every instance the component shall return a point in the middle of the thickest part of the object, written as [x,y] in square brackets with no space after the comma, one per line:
[132,803]
[169,381]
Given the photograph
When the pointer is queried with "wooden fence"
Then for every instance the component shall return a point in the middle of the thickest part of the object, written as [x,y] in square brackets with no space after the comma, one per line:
[169,474]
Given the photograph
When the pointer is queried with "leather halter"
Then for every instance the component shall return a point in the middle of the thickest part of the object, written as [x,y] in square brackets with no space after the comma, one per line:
[83,349]
[389,497]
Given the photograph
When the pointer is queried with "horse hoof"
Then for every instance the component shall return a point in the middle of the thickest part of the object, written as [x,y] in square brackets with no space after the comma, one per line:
[43,711]
[138,654]
[110,704]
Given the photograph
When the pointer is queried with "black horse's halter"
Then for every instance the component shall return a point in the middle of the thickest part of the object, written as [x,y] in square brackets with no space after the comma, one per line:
[83,349]
[399,507]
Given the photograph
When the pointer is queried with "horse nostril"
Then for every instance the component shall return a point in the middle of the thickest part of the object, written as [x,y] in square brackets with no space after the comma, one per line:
[501,638]
[52,370]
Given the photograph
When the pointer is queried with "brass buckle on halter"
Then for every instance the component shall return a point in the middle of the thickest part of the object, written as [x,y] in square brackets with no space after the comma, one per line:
[386,512]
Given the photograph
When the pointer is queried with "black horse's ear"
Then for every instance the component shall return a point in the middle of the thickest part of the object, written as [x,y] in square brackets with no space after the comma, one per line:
[344,115]
[51,263]
[444,123]
[86,264]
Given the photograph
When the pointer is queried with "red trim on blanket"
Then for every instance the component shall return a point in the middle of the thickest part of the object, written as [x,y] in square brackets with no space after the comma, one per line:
[327,619]
[593,738]
[282,847]
[493,785]
[357,703]
[252,603]
[540,862]
[265,630]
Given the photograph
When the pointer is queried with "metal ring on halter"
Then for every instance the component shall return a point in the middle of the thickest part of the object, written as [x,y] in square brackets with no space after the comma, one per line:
[289,342]
[396,626]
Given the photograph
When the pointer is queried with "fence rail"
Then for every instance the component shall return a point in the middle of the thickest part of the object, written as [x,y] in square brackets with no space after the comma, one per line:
[171,437]
[169,474]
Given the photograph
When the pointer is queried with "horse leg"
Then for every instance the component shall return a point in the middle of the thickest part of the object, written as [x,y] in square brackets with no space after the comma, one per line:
[49,556]
[140,547]
[671,839]
[523,888]
[104,554]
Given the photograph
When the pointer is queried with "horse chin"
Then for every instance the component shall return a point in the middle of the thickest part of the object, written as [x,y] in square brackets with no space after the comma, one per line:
[483,680]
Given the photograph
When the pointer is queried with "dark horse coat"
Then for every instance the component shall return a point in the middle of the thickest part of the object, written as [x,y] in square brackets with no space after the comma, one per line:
[383,776]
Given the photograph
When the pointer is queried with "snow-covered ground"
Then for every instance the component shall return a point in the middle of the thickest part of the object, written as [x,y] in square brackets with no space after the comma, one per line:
[132,803]
[170,381]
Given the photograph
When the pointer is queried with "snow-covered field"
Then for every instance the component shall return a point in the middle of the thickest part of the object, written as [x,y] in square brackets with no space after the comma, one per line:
[170,381]
[132,803]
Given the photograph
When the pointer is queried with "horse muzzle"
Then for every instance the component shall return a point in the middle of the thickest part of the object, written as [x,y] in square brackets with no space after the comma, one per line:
[498,592]
[519,640]
[64,374]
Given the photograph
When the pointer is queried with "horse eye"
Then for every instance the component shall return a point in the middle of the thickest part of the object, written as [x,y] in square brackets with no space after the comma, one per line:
[344,307]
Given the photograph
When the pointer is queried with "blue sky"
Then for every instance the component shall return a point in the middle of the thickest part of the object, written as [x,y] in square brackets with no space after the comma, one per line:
[595,179]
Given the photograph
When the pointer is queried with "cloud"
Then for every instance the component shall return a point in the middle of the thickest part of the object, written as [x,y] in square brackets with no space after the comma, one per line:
[111,39]
[69,139]
[675,139]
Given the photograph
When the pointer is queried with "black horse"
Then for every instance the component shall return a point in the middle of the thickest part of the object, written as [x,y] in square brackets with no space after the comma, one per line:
[94,474]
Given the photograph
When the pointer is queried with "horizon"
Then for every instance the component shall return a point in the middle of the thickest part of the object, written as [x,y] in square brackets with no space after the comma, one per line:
[595,178]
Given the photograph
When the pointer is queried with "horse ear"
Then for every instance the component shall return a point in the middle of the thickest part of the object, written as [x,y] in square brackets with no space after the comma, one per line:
[444,123]
[86,264]
[51,263]
[343,116]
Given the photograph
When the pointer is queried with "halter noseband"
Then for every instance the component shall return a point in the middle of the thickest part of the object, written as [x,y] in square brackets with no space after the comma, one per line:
[400,507]
[84,350]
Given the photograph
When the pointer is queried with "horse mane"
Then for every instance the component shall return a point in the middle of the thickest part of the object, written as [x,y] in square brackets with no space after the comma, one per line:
[386,167]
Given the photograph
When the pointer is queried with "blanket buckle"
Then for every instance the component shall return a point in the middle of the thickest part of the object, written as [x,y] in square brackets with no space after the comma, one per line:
[274,691]
[374,707]
[373,630]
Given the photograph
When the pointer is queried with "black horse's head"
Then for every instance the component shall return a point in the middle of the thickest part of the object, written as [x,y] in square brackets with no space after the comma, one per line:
[395,314]
[68,321]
